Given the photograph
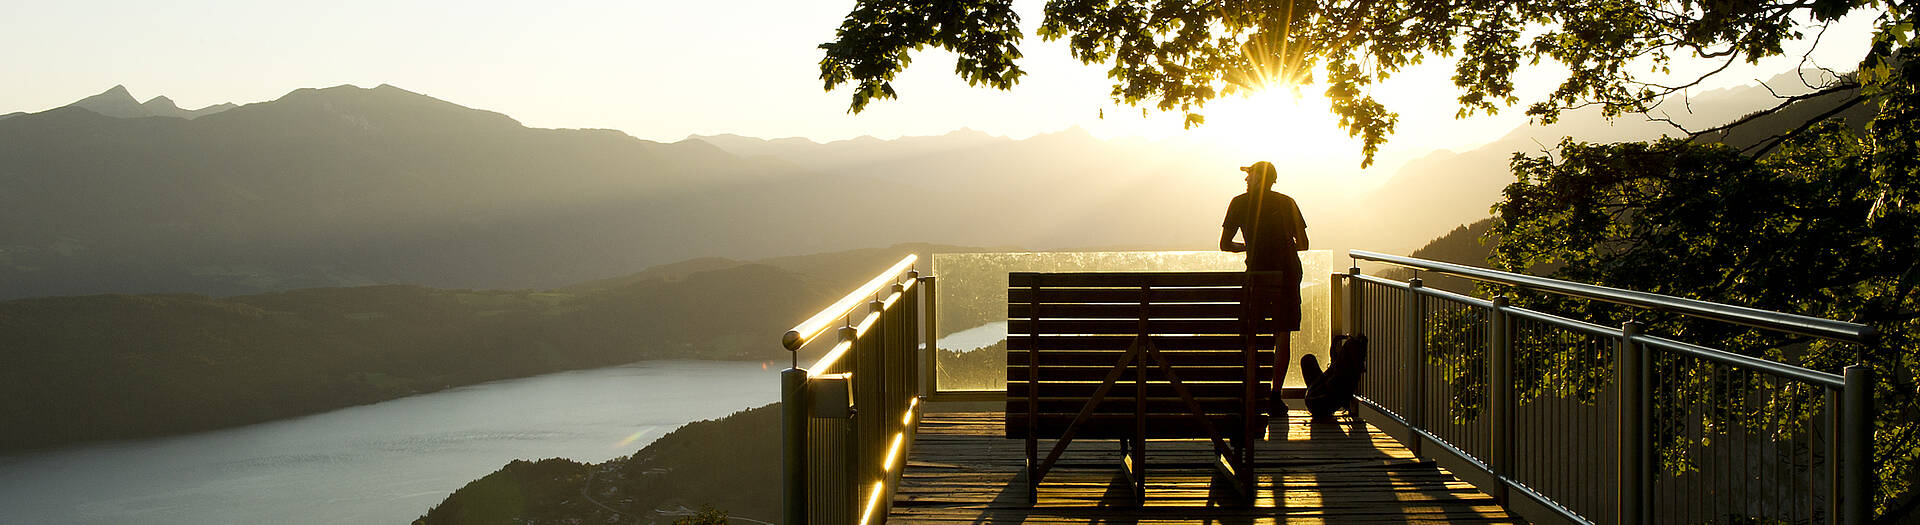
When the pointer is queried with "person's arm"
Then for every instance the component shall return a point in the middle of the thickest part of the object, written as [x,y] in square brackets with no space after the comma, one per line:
[1300,228]
[1229,225]
[1226,241]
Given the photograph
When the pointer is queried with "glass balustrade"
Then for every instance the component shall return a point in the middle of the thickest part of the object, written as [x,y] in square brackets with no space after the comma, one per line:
[972,299]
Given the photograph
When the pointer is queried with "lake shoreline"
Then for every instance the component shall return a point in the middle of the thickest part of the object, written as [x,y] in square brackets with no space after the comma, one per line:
[383,462]
[107,442]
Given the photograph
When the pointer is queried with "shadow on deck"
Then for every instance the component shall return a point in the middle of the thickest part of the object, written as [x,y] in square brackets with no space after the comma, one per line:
[961,470]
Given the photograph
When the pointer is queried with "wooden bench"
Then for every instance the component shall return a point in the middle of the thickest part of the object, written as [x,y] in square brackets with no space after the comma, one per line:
[1137,356]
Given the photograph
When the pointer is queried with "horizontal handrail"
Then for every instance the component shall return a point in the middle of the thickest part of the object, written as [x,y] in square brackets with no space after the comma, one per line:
[1784,322]
[1562,322]
[1816,377]
[806,331]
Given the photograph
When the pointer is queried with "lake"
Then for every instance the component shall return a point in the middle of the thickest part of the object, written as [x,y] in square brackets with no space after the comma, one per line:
[382,463]
[975,338]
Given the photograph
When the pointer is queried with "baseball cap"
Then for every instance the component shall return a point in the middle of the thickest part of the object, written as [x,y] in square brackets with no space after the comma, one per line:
[1263,169]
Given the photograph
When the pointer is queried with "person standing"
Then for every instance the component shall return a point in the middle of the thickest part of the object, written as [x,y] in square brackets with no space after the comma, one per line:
[1273,232]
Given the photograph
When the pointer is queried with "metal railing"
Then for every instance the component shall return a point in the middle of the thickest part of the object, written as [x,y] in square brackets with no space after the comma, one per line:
[848,421]
[1609,425]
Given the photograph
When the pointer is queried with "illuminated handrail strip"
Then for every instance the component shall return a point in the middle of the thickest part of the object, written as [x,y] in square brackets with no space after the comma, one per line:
[806,331]
[838,465]
[833,357]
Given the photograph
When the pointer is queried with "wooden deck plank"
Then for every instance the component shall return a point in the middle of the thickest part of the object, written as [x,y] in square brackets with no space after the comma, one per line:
[961,470]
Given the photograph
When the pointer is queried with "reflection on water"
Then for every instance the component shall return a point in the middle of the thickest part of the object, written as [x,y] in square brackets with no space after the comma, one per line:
[973,296]
[976,337]
[381,463]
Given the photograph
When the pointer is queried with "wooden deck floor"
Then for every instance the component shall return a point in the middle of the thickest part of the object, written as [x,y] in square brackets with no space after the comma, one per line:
[961,470]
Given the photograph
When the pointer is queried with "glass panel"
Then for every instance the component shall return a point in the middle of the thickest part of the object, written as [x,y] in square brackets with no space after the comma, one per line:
[972,303]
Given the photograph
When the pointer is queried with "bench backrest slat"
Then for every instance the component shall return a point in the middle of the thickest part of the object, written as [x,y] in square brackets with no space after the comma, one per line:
[1076,326]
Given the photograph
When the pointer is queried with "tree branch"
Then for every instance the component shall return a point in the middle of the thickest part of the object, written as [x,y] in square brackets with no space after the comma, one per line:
[1784,102]
[1808,124]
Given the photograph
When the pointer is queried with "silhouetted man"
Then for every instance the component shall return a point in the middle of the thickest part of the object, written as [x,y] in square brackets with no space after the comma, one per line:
[1274,233]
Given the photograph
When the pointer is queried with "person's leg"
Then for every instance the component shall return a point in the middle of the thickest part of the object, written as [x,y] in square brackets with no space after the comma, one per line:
[1267,309]
[1310,369]
[1282,355]
[1282,358]
[1287,316]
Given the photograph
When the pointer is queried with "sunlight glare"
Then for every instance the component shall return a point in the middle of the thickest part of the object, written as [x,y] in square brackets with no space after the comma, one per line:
[1275,124]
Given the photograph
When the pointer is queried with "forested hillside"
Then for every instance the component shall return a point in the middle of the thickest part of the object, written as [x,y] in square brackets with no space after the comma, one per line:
[124,366]
[731,464]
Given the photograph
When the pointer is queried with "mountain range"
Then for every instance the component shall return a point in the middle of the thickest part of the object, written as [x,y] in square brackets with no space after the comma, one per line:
[348,186]
[117,102]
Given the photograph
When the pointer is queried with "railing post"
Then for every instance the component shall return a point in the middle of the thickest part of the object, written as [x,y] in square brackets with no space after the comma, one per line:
[1856,446]
[1500,386]
[930,335]
[1354,309]
[910,338]
[1834,426]
[897,355]
[851,472]
[1416,360]
[870,372]
[1337,322]
[1629,375]
[793,445]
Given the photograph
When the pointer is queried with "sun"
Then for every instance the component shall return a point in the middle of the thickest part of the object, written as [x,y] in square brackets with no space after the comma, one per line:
[1276,123]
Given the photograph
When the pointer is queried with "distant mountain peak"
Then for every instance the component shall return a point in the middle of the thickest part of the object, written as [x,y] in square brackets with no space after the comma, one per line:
[1074,132]
[386,106]
[160,103]
[114,102]
[119,103]
[721,136]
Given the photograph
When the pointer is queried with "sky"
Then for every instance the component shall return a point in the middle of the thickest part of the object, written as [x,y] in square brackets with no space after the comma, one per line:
[664,70]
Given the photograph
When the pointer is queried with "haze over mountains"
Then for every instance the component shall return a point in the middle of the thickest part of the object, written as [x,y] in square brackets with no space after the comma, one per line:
[346,185]
[350,186]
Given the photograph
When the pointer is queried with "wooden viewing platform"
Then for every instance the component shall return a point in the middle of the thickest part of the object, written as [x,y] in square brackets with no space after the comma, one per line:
[961,469]
[1557,418]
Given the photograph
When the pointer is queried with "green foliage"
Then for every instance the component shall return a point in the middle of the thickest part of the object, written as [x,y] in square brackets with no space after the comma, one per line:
[1824,227]
[1458,350]
[980,368]
[706,516]
[516,492]
[1180,54]
[875,43]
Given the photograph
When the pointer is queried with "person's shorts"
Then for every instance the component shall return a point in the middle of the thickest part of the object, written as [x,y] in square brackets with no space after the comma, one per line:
[1280,302]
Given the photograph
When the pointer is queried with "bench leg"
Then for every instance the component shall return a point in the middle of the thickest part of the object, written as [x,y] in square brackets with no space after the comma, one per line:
[1033,471]
[1133,465]
[1136,463]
